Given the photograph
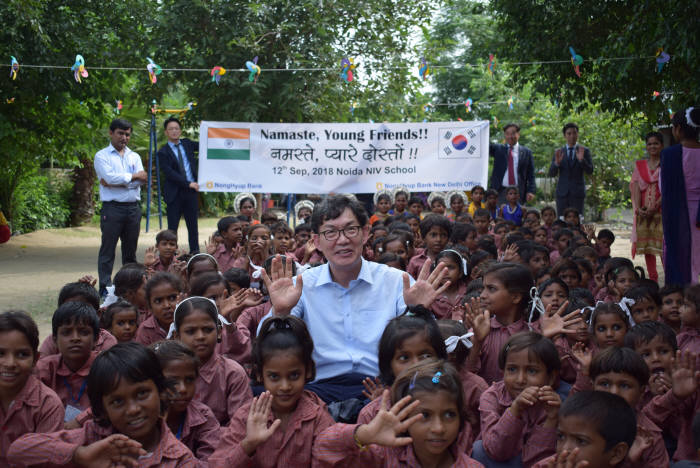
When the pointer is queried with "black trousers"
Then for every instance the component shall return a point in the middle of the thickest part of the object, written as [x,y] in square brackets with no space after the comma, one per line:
[187,204]
[117,221]
[569,201]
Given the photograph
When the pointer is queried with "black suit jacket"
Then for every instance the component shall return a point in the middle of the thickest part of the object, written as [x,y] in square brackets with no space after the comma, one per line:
[173,181]
[526,169]
[571,181]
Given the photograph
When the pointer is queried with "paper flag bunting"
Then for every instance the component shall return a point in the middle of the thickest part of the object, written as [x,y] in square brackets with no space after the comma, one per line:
[190,105]
[576,60]
[468,104]
[670,113]
[353,105]
[216,74]
[655,94]
[424,70]
[427,107]
[254,69]
[347,65]
[510,103]
[118,109]
[14,67]
[492,64]
[153,70]
[78,68]
[495,121]
[661,58]
[532,121]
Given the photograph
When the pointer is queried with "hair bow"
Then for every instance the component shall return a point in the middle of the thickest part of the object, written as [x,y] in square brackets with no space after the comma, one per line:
[689,118]
[452,341]
[110,298]
[258,269]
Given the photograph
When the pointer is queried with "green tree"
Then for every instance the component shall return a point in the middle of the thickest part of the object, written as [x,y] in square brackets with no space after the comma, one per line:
[44,114]
[601,32]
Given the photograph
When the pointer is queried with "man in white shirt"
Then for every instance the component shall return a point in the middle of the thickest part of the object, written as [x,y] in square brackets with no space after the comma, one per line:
[121,175]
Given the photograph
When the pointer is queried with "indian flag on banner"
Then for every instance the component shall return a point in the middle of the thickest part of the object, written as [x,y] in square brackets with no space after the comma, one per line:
[228,143]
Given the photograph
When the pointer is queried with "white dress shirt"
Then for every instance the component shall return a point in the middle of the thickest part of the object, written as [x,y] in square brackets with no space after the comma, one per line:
[515,166]
[116,170]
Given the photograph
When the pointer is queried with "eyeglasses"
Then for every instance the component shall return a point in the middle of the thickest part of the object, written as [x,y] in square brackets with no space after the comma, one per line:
[349,232]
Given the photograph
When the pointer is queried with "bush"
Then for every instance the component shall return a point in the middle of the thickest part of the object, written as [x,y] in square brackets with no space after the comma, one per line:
[41,202]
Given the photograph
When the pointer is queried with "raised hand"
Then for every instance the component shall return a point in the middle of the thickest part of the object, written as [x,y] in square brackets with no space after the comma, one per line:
[150,258]
[457,313]
[583,355]
[116,450]
[427,286]
[239,251]
[479,319]
[389,423]
[257,430]
[580,151]
[558,157]
[684,377]
[232,306]
[373,388]
[88,279]
[284,293]
[553,323]
[210,245]
[511,254]
[527,398]
[178,268]
[642,441]
[252,297]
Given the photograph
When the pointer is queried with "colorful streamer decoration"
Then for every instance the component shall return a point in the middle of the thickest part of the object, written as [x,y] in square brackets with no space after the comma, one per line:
[118,109]
[661,59]
[353,105]
[427,107]
[492,64]
[254,70]
[510,103]
[216,74]
[424,70]
[655,94]
[347,65]
[532,121]
[576,61]
[468,104]
[14,67]
[670,113]
[78,68]
[495,121]
[153,70]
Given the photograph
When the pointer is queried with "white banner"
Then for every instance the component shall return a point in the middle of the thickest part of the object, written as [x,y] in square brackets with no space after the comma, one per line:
[342,157]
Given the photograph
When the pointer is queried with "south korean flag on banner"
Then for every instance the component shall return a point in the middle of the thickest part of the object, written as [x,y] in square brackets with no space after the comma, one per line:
[460,142]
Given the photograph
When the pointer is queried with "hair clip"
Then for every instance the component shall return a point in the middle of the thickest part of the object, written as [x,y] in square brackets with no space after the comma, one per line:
[436,377]
[452,341]
[413,381]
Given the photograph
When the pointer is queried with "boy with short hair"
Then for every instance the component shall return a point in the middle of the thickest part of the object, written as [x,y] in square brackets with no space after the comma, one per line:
[166,246]
[435,230]
[415,206]
[623,372]
[230,249]
[492,203]
[482,221]
[602,245]
[464,235]
[594,427]
[656,343]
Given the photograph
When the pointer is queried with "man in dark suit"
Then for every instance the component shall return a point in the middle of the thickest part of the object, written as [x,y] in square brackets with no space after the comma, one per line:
[570,162]
[513,165]
[177,161]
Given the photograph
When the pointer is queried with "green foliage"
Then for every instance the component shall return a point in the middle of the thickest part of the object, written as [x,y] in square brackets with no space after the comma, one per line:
[41,203]
[540,30]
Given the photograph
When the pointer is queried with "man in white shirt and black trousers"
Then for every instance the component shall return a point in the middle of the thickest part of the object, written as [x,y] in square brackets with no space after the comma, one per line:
[121,175]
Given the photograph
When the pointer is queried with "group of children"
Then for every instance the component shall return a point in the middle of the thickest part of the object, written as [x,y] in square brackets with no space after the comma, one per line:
[543,351]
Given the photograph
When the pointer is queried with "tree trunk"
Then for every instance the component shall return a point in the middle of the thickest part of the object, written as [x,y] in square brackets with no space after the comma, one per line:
[83,200]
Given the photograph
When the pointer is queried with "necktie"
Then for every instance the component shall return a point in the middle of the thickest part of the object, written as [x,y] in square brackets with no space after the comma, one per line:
[180,162]
[511,170]
[571,154]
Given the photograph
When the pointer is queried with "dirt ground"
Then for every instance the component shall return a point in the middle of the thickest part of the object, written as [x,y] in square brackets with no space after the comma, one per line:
[34,266]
